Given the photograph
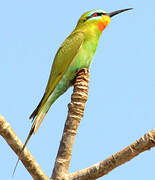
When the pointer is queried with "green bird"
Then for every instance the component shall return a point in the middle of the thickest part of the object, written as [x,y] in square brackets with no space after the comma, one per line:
[76,52]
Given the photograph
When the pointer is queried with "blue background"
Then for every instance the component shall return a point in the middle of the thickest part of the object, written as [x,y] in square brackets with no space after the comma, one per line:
[121,104]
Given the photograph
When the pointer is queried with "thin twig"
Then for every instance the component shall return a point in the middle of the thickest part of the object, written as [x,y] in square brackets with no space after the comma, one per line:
[75,113]
[16,145]
[102,168]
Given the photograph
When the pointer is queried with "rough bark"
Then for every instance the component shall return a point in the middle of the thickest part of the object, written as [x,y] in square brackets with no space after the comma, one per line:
[104,167]
[75,113]
[16,145]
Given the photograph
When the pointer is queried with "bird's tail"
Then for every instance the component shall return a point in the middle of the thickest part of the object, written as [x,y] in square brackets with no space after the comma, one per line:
[28,138]
[37,116]
[40,112]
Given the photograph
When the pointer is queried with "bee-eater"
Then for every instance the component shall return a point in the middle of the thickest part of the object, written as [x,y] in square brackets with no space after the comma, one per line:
[76,52]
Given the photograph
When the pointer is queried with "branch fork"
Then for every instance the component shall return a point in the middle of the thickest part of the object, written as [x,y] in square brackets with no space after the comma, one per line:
[75,113]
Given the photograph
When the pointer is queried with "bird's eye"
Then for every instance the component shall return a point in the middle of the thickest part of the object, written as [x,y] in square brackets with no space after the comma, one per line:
[96,14]
[93,15]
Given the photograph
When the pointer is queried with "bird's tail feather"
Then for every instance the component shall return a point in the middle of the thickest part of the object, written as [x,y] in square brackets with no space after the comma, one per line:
[27,140]
[38,121]
[38,115]
[35,112]
[41,113]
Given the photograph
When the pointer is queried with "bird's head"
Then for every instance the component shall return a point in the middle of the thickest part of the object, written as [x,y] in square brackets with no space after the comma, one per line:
[98,18]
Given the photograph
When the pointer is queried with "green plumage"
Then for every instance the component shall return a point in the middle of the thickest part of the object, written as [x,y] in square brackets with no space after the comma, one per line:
[76,52]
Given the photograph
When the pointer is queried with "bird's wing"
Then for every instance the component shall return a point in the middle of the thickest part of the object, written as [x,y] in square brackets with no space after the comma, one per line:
[65,55]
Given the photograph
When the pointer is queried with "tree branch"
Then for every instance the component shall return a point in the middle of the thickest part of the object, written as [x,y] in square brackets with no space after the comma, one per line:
[102,168]
[16,145]
[75,113]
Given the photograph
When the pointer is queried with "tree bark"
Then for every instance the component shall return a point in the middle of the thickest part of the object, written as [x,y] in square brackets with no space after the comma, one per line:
[104,167]
[75,113]
[16,145]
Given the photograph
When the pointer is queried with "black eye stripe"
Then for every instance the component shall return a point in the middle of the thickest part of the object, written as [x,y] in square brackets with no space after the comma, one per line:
[100,13]
[95,15]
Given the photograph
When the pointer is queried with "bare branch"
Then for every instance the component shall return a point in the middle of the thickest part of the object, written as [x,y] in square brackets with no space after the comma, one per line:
[75,113]
[16,145]
[102,168]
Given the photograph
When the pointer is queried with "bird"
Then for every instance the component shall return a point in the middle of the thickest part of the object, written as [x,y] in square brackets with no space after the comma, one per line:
[75,53]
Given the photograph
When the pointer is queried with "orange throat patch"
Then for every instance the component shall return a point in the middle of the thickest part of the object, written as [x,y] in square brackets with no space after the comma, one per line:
[102,26]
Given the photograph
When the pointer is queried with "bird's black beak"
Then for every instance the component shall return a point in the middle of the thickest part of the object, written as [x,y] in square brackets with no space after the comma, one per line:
[117,12]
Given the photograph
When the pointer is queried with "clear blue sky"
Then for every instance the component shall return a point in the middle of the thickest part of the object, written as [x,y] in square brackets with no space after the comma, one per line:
[121,104]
